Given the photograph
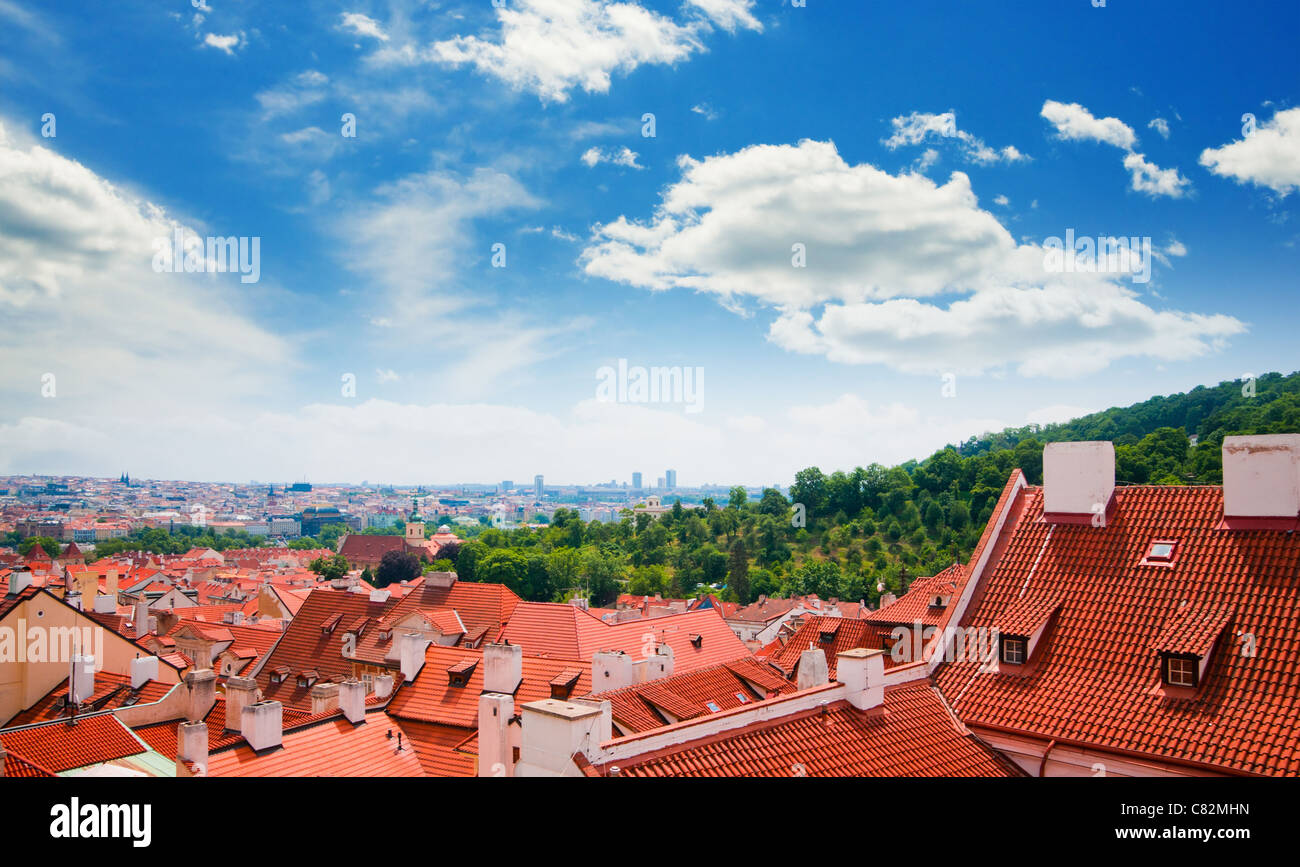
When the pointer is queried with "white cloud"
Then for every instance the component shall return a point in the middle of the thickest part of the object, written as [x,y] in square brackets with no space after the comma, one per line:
[874,244]
[1153,180]
[918,127]
[551,47]
[621,157]
[1002,200]
[80,300]
[386,375]
[363,26]
[1269,157]
[304,89]
[729,14]
[1076,123]
[705,110]
[1160,125]
[227,44]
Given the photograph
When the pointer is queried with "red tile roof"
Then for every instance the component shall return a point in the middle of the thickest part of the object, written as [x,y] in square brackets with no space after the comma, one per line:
[441,749]
[330,748]
[304,645]
[112,691]
[915,604]
[913,736]
[62,747]
[843,635]
[357,548]
[431,697]
[1096,678]
[563,630]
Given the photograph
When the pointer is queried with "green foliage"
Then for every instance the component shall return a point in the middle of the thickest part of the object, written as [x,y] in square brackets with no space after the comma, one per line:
[330,568]
[50,545]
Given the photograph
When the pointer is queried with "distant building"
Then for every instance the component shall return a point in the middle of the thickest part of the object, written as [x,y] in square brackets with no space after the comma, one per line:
[671,477]
[636,481]
[538,486]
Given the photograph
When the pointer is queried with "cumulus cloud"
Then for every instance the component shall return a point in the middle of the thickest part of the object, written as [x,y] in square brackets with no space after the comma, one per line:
[551,47]
[363,25]
[621,157]
[919,127]
[81,300]
[228,44]
[867,245]
[1269,157]
[1160,125]
[1076,123]
[1073,122]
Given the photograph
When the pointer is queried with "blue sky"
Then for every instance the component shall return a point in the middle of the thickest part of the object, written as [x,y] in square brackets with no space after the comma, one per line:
[921,153]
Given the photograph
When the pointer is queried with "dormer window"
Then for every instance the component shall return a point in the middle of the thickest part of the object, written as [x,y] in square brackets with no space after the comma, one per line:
[1014,649]
[279,674]
[328,626]
[458,674]
[1180,670]
[938,602]
[307,678]
[697,640]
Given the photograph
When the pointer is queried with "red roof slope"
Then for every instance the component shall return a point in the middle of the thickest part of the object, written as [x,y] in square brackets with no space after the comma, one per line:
[915,604]
[333,748]
[1095,677]
[112,691]
[843,635]
[698,638]
[915,736]
[61,747]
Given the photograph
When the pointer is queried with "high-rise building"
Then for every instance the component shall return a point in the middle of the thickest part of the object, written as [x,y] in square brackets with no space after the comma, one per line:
[671,477]
[507,486]
[661,484]
[636,481]
[537,483]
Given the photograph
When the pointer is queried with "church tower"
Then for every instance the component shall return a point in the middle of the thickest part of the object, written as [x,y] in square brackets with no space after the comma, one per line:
[415,525]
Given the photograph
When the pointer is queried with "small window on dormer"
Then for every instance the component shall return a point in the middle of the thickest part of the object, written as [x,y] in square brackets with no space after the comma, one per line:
[1013,649]
[937,602]
[1180,670]
[1161,553]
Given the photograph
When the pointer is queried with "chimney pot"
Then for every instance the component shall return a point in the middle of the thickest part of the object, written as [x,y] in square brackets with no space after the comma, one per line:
[202,686]
[503,667]
[812,668]
[143,669]
[862,671]
[384,685]
[192,745]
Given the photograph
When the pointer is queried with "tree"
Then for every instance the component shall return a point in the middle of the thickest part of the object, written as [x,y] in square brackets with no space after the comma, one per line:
[49,545]
[395,567]
[737,498]
[738,572]
[330,568]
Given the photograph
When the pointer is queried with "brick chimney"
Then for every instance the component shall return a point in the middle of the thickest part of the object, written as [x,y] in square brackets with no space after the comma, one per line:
[352,700]
[262,725]
[202,686]
[495,755]
[812,669]
[240,693]
[1078,477]
[192,745]
[503,668]
[324,697]
[862,670]
[1261,476]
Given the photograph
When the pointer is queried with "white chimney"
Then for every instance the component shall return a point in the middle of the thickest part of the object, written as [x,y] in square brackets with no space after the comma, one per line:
[1261,476]
[83,678]
[660,665]
[19,581]
[384,685]
[141,618]
[812,669]
[192,745]
[862,670]
[411,649]
[553,731]
[105,604]
[440,579]
[1078,478]
[143,669]
[379,595]
[495,756]
[612,669]
[324,698]
[352,700]
[73,598]
[262,725]
[503,667]
[240,693]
